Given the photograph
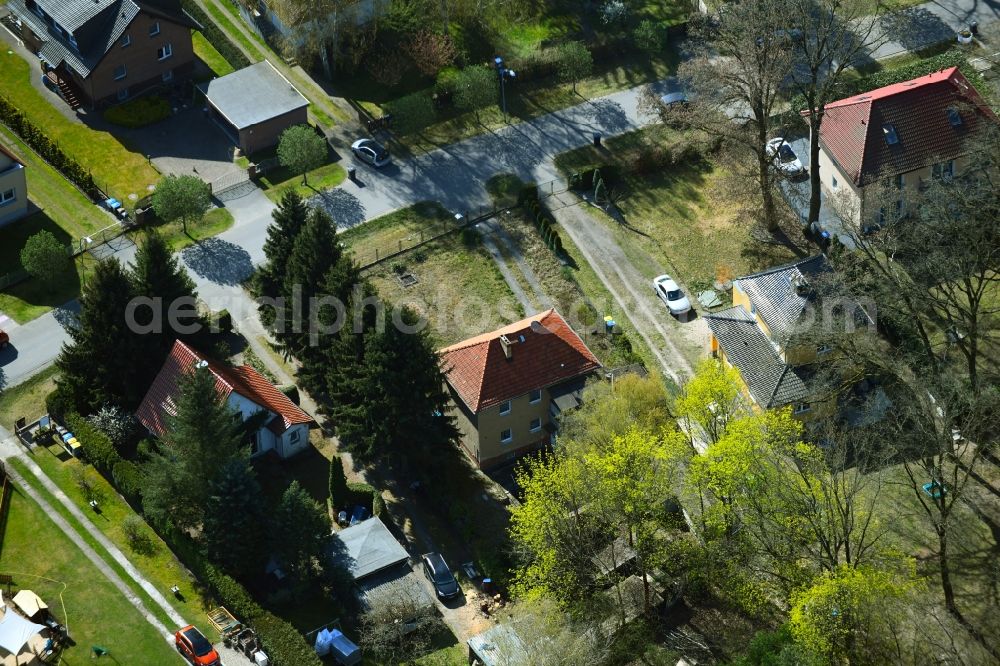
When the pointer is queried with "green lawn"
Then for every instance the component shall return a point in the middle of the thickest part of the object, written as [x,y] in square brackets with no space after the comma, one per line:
[26,399]
[154,560]
[41,558]
[215,222]
[280,180]
[459,287]
[116,169]
[209,55]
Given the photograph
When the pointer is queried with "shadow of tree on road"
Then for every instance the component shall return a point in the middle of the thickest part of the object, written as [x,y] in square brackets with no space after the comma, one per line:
[916,28]
[220,261]
[345,208]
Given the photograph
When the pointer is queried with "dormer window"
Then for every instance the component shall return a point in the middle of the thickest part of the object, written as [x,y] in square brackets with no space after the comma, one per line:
[954,117]
[154,29]
[164,52]
[889,131]
[126,40]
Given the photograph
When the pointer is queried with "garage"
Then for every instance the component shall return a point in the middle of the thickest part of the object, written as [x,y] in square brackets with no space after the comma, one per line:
[254,106]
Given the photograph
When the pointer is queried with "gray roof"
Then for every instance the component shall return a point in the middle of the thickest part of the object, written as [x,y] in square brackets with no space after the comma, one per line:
[771,381]
[368,548]
[397,586]
[775,298]
[499,646]
[253,95]
[96,26]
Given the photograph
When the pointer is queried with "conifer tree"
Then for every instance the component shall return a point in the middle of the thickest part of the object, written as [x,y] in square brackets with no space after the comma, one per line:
[289,218]
[99,366]
[298,527]
[200,440]
[234,523]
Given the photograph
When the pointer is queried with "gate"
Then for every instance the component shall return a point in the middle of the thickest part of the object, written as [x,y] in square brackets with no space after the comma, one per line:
[232,186]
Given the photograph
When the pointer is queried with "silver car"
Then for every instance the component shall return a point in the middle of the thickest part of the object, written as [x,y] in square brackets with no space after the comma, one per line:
[672,295]
[370,151]
[785,159]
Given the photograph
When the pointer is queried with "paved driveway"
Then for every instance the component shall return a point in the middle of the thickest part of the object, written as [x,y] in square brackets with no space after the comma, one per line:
[796,192]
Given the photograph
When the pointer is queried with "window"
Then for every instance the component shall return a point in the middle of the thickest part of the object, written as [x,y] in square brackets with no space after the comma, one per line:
[120,73]
[168,75]
[535,396]
[154,29]
[126,40]
[889,131]
[7,197]
[835,183]
[72,41]
[536,425]
[294,437]
[505,436]
[944,170]
[505,408]
[954,117]
[801,408]
[164,52]
[123,94]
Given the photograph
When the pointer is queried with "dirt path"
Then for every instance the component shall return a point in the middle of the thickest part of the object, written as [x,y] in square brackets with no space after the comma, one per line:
[508,275]
[629,287]
[513,250]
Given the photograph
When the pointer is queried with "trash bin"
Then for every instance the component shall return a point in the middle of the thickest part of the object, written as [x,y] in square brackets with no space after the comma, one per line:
[597,140]
[351,172]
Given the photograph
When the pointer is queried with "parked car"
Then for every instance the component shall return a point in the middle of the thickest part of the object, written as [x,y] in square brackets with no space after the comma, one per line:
[785,159]
[674,100]
[195,647]
[672,295]
[370,151]
[440,576]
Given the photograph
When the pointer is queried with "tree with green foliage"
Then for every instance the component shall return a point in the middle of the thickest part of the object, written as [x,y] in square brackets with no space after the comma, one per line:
[401,406]
[185,198]
[650,37]
[338,483]
[411,113]
[289,217]
[201,439]
[299,530]
[711,399]
[574,62]
[102,362]
[610,409]
[476,87]
[157,275]
[234,528]
[44,257]
[301,149]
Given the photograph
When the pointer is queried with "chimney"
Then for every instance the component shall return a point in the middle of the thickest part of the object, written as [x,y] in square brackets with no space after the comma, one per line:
[508,347]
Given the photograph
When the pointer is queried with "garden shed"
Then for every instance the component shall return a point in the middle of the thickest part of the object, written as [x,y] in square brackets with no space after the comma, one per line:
[254,105]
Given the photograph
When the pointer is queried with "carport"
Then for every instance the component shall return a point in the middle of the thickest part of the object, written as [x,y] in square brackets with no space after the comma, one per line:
[255,105]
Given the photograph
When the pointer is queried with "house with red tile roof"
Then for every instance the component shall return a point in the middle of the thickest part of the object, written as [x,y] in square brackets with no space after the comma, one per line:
[894,139]
[285,428]
[509,385]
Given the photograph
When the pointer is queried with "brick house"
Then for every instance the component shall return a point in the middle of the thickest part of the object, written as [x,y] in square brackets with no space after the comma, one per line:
[894,139]
[508,386]
[285,429]
[99,52]
[13,188]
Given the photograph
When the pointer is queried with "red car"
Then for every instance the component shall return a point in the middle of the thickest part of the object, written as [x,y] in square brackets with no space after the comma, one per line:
[192,644]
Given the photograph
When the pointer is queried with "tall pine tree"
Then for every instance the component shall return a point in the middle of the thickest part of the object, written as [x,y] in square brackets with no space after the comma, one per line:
[234,527]
[159,276]
[299,527]
[289,218]
[102,364]
[200,440]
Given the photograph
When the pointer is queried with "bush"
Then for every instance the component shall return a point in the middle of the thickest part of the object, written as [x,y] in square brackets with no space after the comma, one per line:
[120,426]
[97,447]
[283,643]
[128,479]
[59,403]
[137,534]
[411,113]
[378,504]
[139,112]
[650,36]
[339,493]
[361,494]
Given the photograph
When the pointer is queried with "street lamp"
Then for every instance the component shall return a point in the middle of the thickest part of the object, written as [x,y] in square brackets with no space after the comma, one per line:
[504,74]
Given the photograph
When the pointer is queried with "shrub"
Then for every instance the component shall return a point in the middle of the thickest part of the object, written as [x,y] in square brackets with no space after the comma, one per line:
[650,36]
[378,504]
[44,257]
[283,643]
[222,321]
[97,447]
[136,533]
[128,479]
[339,493]
[139,112]
[411,113]
[116,423]
[360,494]
[58,403]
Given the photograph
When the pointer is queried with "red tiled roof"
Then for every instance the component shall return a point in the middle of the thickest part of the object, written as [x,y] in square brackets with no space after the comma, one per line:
[852,128]
[244,380]
[545,351]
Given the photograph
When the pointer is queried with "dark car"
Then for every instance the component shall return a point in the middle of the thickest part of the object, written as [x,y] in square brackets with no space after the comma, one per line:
[674,99]
[370,151]
[195,647]
[440,576]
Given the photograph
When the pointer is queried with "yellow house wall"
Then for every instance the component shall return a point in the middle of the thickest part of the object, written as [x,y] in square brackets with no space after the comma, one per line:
[12,176]
[491,423]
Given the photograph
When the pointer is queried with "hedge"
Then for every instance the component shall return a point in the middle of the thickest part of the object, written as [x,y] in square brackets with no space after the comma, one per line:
[543,220]
[360,493]
[128,479]
[97,447]
[48,149]
[215,36]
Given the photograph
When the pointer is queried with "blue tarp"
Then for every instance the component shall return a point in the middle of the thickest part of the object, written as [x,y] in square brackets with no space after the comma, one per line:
[344,651]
